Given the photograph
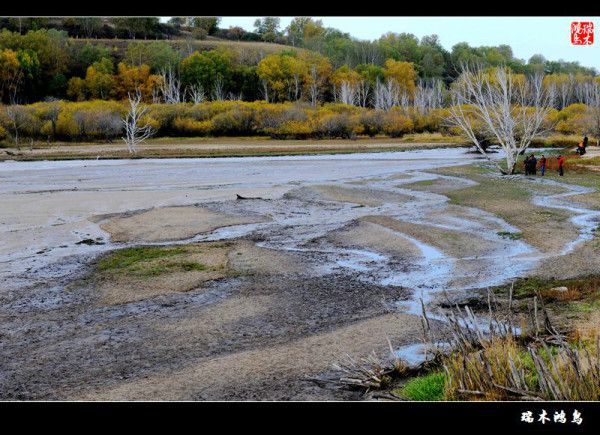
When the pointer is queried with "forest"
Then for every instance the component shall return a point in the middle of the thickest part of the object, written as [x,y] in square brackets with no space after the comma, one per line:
[69,79]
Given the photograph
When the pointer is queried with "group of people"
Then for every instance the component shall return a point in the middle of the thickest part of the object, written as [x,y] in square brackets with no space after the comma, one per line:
[531,164]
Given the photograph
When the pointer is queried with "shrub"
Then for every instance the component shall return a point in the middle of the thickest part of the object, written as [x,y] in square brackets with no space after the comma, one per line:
[90,120]
[572,119]
[291,130]
[191,127]
[239,120]
[336,126]
[397,124]
[372,122]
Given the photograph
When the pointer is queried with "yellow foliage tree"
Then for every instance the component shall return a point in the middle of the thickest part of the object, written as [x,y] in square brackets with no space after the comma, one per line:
[132,78]
[10,72]
[403,73]
[345,74]
[99,84]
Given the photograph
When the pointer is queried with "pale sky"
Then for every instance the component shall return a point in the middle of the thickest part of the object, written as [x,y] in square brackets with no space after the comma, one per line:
[527,36]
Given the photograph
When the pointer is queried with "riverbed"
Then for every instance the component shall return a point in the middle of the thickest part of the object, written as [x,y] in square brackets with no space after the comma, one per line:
[339,251]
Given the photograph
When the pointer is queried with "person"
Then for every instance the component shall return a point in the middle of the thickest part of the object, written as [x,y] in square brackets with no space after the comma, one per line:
[542,165]
[585,141]
[561,162]
[533,163]
[580,149]
[527,165]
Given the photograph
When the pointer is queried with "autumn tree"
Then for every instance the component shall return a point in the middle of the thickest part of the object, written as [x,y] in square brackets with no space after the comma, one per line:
[303,31]
[158,55]
[135,79]
[320,73]
[403,73]
[10,74]
[76,89]
[89,25]
[274,71]
[100,79]
[593,106]
[346,85]
[133,27]
[18,118]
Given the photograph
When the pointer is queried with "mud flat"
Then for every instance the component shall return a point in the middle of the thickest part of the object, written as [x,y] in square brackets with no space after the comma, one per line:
[149,279]
[178,223]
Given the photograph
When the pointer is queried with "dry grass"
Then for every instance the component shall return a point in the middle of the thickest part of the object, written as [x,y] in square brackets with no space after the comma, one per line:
[493,359]
[502,363]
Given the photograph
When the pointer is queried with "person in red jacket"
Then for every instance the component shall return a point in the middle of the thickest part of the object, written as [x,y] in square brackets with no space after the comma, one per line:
[542,162]
[561,162]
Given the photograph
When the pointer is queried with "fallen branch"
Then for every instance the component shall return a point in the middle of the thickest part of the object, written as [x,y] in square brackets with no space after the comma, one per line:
[240,197]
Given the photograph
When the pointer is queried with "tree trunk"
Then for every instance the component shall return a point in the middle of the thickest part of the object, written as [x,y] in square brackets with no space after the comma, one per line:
[511,164]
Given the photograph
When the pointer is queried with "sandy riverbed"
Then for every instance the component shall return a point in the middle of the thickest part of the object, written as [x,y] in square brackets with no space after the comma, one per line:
[330,257]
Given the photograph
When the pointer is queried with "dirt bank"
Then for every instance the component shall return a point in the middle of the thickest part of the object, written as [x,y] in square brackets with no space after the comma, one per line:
[215,147]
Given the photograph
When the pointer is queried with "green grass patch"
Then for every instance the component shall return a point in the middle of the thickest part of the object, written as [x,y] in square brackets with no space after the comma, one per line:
[125,258]
[588,287]
[151,261]
[170,267]
[422,183]
[429,388]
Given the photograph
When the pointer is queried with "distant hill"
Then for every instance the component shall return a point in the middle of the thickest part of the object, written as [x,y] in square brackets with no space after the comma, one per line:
[250,52]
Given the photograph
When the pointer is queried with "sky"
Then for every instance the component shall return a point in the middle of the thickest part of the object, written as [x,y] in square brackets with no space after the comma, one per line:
[549,36]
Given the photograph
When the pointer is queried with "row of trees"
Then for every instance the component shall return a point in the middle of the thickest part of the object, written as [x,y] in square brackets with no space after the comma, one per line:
[163,75]
[427,54]
[100,120]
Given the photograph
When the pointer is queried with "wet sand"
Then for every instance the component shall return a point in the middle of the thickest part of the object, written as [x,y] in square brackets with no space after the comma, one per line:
[330,257]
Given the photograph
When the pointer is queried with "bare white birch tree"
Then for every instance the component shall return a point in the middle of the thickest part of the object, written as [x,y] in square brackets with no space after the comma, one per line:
[512,112]
[428,95]
[347,93]
[170,87]
[218,93]
[314,88]
[232,96]
[404,100]
[136,131]
[196,93]
[565,90]
[363,91]
[265,89]
[386,95]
